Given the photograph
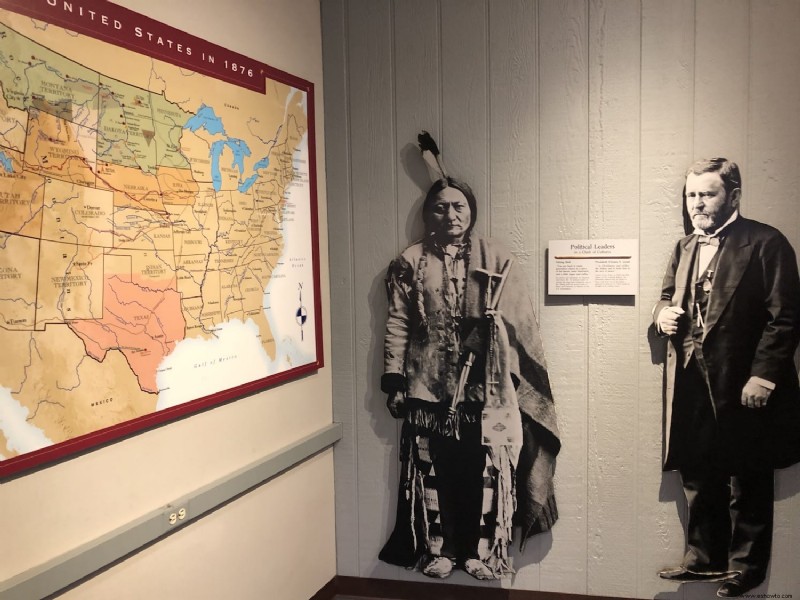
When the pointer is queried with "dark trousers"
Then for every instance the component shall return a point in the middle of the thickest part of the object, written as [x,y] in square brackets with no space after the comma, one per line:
[459,467]
[729,522]
[730,510]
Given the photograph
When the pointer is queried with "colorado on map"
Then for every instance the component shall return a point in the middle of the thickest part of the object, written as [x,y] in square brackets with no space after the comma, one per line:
[155,245]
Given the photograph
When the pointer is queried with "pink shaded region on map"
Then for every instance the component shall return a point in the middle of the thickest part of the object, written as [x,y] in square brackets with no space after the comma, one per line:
[143,320]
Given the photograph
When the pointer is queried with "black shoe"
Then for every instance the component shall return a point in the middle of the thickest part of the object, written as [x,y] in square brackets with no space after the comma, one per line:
[736,587]
[684,575]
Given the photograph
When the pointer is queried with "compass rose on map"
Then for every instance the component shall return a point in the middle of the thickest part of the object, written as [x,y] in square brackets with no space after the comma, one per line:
[301,315]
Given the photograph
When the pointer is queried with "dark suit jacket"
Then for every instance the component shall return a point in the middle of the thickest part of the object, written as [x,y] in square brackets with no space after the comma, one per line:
[752,327]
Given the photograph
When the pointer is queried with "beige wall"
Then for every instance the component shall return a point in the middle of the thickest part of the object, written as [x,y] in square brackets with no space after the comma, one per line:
[276,542]
[570,119]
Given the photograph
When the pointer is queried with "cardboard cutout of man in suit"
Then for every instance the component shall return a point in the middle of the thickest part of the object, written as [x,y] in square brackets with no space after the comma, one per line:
[730,304]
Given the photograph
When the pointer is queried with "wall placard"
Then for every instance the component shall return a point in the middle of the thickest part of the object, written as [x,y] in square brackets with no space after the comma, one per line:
[593,267]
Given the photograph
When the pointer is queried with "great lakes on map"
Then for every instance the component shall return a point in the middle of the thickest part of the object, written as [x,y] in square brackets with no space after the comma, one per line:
[155,245]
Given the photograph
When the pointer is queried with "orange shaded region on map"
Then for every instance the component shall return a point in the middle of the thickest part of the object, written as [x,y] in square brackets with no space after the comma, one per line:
[60,149]
[141,322]
[133,188]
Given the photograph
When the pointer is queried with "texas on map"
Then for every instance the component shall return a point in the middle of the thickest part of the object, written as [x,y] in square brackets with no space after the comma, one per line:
[141,218]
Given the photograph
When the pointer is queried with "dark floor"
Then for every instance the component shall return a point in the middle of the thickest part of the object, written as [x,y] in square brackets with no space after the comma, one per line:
[356,588]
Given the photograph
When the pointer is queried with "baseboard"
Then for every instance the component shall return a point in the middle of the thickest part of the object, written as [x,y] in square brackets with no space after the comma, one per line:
[328,591]
[416,590]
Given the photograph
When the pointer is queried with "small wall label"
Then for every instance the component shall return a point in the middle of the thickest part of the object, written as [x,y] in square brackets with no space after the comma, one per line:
[593,267]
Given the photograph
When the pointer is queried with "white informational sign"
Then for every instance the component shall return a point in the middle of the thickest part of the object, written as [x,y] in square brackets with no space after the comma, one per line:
[593,267]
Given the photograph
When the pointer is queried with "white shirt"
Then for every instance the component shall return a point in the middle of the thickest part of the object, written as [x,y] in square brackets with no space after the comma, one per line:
[707,251]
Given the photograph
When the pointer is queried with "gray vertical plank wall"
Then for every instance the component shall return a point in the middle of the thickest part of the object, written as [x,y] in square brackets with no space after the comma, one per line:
[373,196]
[665,151]
[514,115]
[465,98]
[570,119]
[614,100]
[770,195]
[563,182]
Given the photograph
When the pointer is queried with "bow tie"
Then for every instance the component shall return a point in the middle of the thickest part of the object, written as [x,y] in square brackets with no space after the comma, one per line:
[708,240]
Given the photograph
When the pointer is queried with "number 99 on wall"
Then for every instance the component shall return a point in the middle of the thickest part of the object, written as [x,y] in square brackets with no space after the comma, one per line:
[176,515]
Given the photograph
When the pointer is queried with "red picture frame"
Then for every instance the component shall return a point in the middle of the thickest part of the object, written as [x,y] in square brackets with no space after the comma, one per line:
[131,31]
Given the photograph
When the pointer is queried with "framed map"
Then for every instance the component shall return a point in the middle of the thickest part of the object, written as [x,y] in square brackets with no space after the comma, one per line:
[158,227]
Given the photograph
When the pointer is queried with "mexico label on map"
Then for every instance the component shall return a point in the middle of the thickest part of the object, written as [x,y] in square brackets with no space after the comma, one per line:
[158,244]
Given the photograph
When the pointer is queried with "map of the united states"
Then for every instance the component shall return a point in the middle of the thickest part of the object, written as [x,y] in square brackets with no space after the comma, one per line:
[146,214]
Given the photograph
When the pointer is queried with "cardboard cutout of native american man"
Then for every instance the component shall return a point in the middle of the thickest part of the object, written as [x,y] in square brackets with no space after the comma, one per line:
[464,368]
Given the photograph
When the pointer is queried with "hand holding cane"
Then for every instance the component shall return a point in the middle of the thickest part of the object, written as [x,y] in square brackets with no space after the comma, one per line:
[493,293]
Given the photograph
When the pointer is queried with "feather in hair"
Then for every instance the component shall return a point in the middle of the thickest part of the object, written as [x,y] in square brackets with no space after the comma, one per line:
[430,153]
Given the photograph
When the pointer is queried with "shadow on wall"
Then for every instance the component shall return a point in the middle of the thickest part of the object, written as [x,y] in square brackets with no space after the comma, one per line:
[658,346]
[419,173]
[536,549]
[671,489]
[787,482]
[386,428]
